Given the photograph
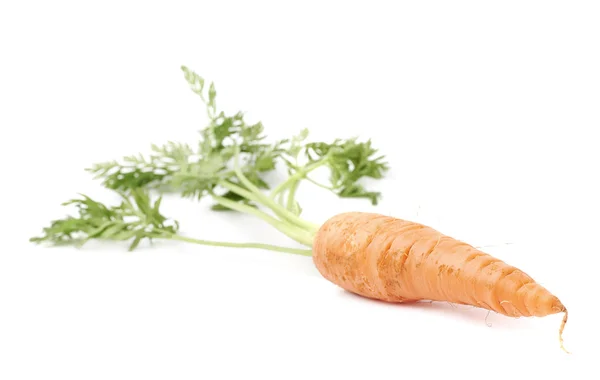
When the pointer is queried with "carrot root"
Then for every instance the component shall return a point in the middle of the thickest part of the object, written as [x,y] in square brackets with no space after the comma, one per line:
[396,260]
[561,329]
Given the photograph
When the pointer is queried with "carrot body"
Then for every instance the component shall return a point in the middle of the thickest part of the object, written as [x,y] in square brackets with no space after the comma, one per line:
[395,260]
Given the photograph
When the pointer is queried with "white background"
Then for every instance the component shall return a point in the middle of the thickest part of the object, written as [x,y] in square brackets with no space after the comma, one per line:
[486,111]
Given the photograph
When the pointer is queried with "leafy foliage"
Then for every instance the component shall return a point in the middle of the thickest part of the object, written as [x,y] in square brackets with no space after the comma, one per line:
[349,161]
[135,218]
[197,171]
[229,164]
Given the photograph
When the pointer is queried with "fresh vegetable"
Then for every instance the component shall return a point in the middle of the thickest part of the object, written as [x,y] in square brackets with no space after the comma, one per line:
[373,255]
[396,260]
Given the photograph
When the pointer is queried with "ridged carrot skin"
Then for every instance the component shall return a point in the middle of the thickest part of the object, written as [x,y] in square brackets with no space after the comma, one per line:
[395,260]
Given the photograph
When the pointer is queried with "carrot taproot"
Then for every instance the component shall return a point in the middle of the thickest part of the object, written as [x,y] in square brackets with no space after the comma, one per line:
[395,260]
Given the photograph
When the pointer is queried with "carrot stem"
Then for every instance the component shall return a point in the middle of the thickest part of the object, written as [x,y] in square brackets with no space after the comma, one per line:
[291,200]
[276,207]
[269,247]
[293,232]
[269,202]
[300,174]
[330,188]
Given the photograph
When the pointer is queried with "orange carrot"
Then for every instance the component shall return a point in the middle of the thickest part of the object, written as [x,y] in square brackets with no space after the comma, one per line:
[372,255]
[395,260]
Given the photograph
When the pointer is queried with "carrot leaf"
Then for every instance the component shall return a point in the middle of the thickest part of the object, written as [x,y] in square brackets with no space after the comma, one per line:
[231,164]
[350,161]
[135,218]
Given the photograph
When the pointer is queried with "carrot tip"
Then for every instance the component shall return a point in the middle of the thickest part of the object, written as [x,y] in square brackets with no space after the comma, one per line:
[562,328]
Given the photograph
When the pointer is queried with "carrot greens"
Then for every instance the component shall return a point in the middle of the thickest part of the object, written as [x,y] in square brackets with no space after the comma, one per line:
[229,165]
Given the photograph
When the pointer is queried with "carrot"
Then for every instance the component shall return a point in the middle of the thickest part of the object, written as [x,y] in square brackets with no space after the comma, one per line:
[396,260]
[372,255]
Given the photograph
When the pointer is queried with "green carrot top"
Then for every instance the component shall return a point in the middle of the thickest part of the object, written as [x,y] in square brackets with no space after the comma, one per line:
[228,164]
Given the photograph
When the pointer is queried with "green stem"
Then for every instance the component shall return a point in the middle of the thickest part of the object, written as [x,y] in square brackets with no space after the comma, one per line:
[239,190]
[303,252]
[280,199]
[251,196]
[269,202]
[330,188]
[291,200]
[293,232]
[301,173]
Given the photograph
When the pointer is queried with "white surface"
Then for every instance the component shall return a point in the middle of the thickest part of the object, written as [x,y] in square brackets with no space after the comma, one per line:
[486,112]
